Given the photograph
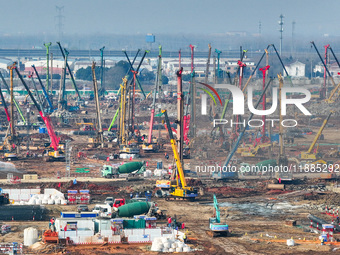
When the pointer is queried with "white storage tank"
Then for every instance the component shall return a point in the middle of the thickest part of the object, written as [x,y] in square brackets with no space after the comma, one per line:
[30,236]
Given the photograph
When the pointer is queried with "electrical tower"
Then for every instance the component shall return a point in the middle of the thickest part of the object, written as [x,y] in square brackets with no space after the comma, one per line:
[281,31]
[60,25]
[260,28]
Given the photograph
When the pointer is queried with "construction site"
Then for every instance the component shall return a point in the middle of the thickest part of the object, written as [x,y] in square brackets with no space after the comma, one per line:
[231,161]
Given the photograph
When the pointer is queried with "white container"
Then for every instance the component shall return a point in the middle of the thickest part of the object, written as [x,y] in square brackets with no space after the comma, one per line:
[64,202]
[58,201]
[38,202]
[186,249]
[180,245]
[44,201]
[174,245]
[50,201]
[179,249]
[290,242]
[166,245]
[30,236]
[171,250]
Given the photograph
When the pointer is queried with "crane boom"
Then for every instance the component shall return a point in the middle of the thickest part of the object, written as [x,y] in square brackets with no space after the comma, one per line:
[5,106]
[324,65]
[236,144]
[46,119]
[137,70]
[159,69]
[96,97]
[70,72]
[217,210]
[208,64]
[43,89]
[15,102]
[319,133]
[175,151]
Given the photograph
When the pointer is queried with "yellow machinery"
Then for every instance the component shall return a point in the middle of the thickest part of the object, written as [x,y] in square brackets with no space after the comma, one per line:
[125,146]
[180,190]
[254,151]
[309,154]
[244,148]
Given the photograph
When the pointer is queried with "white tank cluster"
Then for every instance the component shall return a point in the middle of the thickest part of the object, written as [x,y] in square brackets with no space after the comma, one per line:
[47,199]
[160,172]
[147,174]
[30,236]
[165,244]
[128,156]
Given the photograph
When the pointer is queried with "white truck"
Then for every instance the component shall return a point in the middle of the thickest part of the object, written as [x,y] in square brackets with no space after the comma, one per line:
[103,210]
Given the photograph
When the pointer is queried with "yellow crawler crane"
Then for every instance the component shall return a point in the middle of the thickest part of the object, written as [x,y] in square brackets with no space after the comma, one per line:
[180,190]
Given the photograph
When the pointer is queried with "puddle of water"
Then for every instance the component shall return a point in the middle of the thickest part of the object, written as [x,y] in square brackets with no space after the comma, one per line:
[8,167]
[261,209]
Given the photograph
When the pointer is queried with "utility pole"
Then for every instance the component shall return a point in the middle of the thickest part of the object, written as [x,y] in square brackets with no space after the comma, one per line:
[60,17]
[47,45]
[281,22]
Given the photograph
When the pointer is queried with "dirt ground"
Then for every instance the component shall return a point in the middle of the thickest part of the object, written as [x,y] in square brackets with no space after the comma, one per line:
[256,216]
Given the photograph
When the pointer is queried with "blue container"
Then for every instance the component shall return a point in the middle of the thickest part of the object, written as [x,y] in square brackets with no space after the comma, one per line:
[42,130]
[160,165]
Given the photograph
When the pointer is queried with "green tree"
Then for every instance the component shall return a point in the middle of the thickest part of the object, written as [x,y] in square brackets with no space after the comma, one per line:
[114,75]
[165,80]
[186,77]
[86,74]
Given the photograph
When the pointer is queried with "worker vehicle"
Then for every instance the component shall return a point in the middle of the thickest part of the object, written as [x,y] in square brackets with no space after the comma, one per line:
[180,190]
[186,153]
[217,228]
[224,175]
[109,200]
[309,155]
[138,208]
[4,199]
[103,210]
[82,208]
[131,168]
[129,149]
[334,153]
[153,146]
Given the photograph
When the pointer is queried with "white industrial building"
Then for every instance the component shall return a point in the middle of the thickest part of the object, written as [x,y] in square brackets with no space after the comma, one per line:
[295,69]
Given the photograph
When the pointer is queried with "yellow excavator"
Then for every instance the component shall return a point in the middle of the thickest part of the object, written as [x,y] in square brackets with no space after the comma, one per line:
[309,154]
[254,151]
[180,190]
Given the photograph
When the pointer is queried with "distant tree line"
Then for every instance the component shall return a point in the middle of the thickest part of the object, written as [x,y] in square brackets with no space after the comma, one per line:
[113,76]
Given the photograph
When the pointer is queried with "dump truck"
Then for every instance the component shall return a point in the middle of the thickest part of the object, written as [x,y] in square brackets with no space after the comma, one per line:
[129,169]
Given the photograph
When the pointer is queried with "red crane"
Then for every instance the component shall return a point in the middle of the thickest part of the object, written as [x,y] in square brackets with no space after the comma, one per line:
[46,119]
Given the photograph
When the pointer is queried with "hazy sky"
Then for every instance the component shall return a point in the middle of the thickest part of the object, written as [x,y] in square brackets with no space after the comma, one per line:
[312,17]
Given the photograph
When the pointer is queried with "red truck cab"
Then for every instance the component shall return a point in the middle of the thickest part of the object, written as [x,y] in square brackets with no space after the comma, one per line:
[118,202]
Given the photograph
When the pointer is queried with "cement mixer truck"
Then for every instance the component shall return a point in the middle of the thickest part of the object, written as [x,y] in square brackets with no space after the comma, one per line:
[127,170]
